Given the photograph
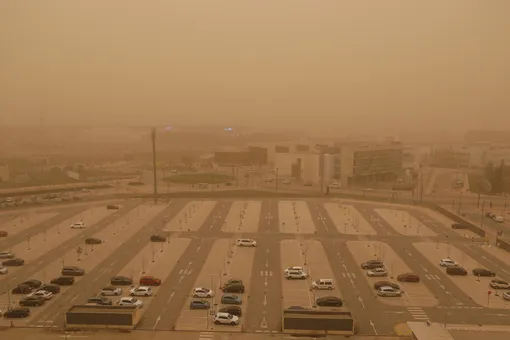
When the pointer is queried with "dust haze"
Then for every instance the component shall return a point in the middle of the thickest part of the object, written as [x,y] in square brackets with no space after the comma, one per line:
[327,67]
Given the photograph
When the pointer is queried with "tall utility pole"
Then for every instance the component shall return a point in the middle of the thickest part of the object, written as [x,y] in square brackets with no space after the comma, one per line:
[153,135]
[421,187]
[478,201]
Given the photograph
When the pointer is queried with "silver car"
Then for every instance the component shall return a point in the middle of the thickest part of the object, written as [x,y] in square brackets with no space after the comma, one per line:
[388,291]
[377,272]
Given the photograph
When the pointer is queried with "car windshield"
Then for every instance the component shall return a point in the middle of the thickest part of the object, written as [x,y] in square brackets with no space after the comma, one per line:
[230,316]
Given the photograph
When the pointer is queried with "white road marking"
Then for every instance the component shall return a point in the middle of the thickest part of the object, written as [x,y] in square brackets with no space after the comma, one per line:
[170,298]
[263,324]
[373,327]
[156,323]
[361,301]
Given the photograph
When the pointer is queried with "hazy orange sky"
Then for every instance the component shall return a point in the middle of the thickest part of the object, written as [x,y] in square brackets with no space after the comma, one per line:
[328,65]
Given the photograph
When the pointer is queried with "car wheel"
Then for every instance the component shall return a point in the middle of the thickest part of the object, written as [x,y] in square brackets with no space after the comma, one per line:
[216,322]
[146,294]
[233,323]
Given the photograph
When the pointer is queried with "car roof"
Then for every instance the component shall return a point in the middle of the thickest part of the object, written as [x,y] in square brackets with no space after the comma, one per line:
[386,287]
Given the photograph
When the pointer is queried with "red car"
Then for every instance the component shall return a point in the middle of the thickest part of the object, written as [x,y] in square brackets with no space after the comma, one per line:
[149,281]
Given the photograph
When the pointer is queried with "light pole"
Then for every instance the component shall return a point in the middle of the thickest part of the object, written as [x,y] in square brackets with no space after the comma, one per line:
[152,248]
[481,217]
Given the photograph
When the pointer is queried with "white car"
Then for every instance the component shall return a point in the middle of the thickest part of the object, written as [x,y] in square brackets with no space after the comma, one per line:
[377,272]
[3,270]
[42,293]
[506,296]
[447,263]
[293,268]
[200,292]
[110,291]
[296,275]
[499,219]
[6,255]
[141,291]
[388,291]
[334,185]
[79,225]
[130,301]
[246,242]
[225,319]
[499,284]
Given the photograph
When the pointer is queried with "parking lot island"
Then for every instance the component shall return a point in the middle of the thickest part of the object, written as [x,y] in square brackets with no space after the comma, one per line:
[295,218]
[295,292]
[243,217]
[404,223]
[477,288]
[191,217]
[348,220]
[415,294]
[17,224]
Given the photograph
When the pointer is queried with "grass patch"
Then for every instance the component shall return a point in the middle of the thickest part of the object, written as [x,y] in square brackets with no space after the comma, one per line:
[199,178]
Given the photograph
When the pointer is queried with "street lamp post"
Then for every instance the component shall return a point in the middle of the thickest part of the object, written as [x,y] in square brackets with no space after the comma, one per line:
[481,217]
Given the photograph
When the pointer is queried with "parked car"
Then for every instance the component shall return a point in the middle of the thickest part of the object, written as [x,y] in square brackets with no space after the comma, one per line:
[380,284]
[234,310]
[6,255]
[150,281]
[293,268]
[18,312]
[457,270]
[490,215]
[460,226]
[199,304]
[3,233]
[323,284]
[499,284]
[372,264]
[447,262]
[377,272]
[225,319]
[231,299]
[388,291]
[78,225]
[63,281]
[232,281]
[112,207]
[16,262]
[329,301]
[506,296]
[246,242]
[34,301]
[483,272]
[130,301]
[234,288]
[22,289]
[42,294]
[296,275]
[111,291]
[158,238]
[499,219]
[93,240]
[52,288]
[100,300]
[121,281]
[72,271]
[201,292]
[141,291]
[408,277]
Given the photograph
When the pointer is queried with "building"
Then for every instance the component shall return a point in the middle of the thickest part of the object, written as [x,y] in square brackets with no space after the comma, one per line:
[368,163]
[429,331]
[4,173]
[253,156]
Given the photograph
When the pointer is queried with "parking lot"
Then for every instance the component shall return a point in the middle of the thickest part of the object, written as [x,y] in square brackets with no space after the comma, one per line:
[295,239]
[404,223]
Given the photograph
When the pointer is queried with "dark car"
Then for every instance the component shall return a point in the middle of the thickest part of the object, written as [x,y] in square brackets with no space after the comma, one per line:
[234,288]
[158,238]
[408,277]
[121,281]
[380,284]
[232,281]
[72,271]
[52,288]
[33,283]
[483,272]
[3,233]
[93,240]
[149,281]
[112,207]
[22,289]
[231,299]
[100,300]
[21,312]
[234,310]
[63,281]
[459,226]
[372,264]
[456,271]
[35,301]
[329,301]
[199,304]
[13,262]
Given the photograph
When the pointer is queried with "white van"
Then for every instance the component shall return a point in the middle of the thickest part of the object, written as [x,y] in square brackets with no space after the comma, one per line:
[246,242]
[323,284]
